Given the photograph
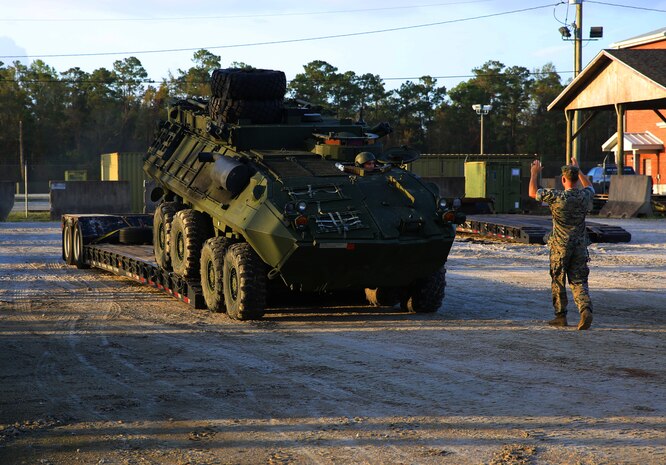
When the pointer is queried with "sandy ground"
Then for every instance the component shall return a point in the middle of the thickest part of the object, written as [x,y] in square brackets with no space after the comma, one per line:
[98,370]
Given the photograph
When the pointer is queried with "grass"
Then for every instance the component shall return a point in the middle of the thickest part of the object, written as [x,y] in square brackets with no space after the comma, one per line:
[19,217]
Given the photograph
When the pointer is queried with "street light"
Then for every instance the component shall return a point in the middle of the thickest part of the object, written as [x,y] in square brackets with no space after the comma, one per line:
[482,110]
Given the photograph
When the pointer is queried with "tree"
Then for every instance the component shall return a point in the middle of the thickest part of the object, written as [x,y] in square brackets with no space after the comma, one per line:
[195,82]
[417,103]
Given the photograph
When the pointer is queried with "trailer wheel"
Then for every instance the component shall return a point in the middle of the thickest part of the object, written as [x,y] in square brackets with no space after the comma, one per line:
[189,231]
[212,269]
[67,247]
[244,283]
[77,249]
[425,295]
[161,231]
[135,235]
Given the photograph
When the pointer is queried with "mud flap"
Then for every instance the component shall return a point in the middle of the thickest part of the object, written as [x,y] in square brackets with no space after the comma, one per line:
[629,197]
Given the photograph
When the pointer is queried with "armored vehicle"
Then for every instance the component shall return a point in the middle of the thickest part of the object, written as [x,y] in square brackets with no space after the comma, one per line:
[258,194]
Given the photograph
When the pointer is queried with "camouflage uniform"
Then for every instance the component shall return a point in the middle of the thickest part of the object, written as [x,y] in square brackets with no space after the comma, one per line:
[568,243]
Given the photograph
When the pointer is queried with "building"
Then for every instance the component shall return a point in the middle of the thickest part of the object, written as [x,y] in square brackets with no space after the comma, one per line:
[630,79]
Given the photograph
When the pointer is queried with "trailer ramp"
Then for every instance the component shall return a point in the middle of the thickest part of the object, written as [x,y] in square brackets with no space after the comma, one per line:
[529,229]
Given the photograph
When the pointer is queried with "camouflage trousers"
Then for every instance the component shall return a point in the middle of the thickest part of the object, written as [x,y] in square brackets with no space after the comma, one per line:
[570,263]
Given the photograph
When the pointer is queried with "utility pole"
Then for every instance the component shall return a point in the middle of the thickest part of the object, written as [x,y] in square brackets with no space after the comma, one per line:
[23,168]
[578,66]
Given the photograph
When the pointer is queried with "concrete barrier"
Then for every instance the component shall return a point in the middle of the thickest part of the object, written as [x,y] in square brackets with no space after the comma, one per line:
[7,189]
[89,197]
[629,196]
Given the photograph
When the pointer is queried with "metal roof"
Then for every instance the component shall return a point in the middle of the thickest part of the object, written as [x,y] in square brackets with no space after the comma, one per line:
[647,38]
[641,141]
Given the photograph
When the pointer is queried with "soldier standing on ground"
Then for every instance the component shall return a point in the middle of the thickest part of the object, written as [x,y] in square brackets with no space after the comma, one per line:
[568,240]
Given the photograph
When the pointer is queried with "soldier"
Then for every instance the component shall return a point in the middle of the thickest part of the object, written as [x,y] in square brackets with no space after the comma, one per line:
[365,160]
[568,240]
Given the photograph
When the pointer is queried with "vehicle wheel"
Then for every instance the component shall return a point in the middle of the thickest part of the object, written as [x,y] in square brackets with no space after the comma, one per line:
[425,295]
[67,246]
[189,231]
[135,235]
[212,268]
[244,283]
[382,296]
[254,84]
[161,231]
[258,111]
[77,249]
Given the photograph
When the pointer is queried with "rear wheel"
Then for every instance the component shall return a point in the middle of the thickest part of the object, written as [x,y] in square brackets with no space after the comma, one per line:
[189,231]
[244,283]
[425,295]
[212,269]
[67,247]
[161,231]
[77,248]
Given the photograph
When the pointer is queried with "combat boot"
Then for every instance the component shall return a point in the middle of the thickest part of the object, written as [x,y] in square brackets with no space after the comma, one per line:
[559,320]
[585,320]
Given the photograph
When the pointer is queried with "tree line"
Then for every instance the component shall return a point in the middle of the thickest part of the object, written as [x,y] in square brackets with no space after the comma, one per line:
[71,117]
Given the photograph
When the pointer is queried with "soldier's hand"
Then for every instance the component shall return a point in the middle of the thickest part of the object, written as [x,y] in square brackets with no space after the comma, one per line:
[574,162]
[536,167]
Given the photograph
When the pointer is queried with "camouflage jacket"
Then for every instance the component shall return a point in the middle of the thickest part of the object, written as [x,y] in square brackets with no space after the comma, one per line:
[569,208]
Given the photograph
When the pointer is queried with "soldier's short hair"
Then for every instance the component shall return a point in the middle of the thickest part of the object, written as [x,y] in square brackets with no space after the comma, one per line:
[570,172]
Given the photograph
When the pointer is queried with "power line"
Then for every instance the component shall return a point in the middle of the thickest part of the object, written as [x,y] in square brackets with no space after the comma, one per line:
[264,15]
[286,41]
[152,81]
[627,6]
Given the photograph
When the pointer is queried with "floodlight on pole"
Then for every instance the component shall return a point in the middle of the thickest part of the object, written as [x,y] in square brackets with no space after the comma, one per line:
[482,110]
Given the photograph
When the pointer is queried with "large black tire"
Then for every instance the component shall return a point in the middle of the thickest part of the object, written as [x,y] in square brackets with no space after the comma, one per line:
[77,249]
[68,244]
[162,220]
[212,269]
[135,235]
[244,279]
[257,111]
[382,296]
[189,231]
[248,84]
[425,295]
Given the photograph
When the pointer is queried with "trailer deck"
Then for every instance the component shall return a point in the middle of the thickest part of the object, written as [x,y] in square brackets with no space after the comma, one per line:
[530,229]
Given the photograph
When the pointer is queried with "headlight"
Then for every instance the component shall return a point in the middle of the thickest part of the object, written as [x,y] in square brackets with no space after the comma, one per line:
[289,209]
[441,203]
[457,203]
[301,206]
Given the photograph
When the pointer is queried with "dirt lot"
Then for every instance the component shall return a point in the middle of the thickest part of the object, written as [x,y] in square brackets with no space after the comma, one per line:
[98,370]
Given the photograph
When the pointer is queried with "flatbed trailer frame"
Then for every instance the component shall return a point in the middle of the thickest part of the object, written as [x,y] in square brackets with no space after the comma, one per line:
[532,229]
[97,239]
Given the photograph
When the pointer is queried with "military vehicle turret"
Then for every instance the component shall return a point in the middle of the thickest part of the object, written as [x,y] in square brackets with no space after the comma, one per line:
[257,193]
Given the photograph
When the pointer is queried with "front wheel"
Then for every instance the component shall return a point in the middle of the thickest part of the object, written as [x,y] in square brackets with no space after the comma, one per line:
[244,283]
[425,295]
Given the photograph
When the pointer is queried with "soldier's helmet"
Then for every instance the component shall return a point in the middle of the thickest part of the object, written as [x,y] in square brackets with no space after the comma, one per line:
[363,157]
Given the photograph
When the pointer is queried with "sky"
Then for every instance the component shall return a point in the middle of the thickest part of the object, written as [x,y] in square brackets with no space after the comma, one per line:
[398,40]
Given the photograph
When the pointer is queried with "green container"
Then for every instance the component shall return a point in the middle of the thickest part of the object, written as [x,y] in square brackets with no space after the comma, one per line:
[126,166]
[496,180]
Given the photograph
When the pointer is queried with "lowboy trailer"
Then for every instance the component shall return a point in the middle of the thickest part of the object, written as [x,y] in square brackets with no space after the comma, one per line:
[122,244]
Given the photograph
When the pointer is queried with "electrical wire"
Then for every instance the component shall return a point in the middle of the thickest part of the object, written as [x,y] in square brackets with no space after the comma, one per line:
[286,41]
[152,81]
[264,15]
[627,6]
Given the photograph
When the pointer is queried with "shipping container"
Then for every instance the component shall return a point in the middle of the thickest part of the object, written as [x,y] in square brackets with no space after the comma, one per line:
[126,166]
